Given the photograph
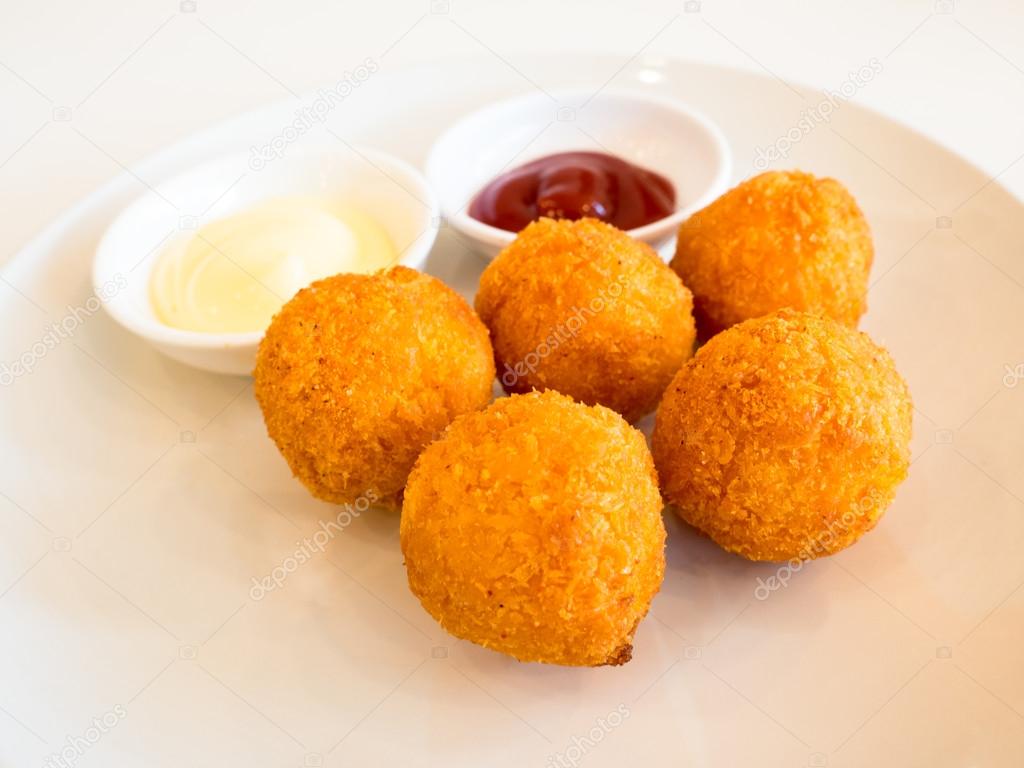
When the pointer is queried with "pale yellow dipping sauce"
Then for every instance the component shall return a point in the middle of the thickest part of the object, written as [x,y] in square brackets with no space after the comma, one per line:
[233,274]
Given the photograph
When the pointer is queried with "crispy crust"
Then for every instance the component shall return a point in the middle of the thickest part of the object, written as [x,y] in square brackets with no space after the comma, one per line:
[582,308]
[784,437]
[534,528]
[780,239]
[358,372]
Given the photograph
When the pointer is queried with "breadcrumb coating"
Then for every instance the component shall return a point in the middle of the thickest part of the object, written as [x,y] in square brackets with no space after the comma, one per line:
[534,528]
[358,372]
[582,308]
[784,437]
[780,239]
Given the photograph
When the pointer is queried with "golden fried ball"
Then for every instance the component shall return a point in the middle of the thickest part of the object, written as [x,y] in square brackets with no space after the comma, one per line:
[534,528]
[582,308]
[358,372]
[784,437]
[780,239]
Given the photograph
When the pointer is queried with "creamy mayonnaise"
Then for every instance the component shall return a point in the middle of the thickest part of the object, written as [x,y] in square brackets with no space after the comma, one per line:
[233,274]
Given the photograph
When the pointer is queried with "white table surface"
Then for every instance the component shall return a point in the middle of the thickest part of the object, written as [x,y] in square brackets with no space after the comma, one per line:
[136,75]
[87,90]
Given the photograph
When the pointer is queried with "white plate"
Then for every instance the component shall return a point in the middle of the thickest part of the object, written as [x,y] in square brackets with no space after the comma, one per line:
[141,498]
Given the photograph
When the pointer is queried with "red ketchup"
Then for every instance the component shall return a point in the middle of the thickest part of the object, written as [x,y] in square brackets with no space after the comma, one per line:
[574,185]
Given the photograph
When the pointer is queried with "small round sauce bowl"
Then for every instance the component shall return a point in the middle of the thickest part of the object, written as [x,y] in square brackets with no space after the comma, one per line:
[653,132]
[379,185]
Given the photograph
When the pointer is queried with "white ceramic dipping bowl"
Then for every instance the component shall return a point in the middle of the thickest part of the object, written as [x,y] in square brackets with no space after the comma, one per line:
[653,132]
[380,185]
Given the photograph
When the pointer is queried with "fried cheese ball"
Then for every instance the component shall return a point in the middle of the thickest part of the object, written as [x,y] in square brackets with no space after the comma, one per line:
[784,437]
[358,372]
[582,308]
[534,528]
[780,239]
